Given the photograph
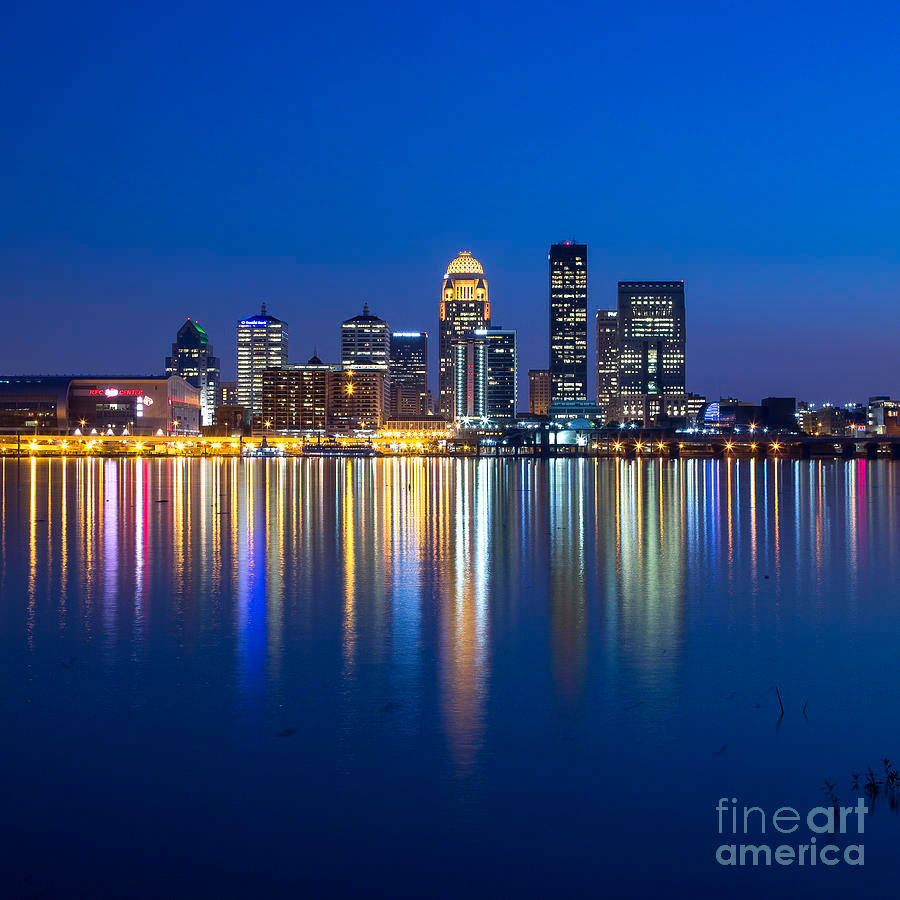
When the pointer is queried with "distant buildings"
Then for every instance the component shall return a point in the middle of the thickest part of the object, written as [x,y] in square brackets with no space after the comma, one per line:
[192,359]
[651,349]
[365,337]
[408,373]
[608,361]
[262,343]
[568,321]
[464,308]
[538,391]
[776,414]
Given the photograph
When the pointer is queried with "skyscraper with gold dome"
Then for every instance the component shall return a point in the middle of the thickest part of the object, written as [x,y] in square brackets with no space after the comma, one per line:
[464,307]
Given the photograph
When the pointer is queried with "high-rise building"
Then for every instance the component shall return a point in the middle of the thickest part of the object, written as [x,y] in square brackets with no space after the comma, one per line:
[358,396]
[192,358]
[298,398]
[568,321]
[464,307]
[469,381]
[365,337]
[538,391]
[485,374]
[500,371]
[651,336]
[262,343]
[408,373]
[608,361]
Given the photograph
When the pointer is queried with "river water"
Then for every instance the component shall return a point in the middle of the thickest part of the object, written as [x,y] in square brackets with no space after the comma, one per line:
[420,677]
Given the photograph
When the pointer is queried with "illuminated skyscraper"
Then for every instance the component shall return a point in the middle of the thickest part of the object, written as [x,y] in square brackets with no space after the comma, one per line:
[192,358]
[485,374]
[262,343]
[464,308]
[365,337]
[608,361]
[500,371]
[568,322]
[408,373]
[651,337]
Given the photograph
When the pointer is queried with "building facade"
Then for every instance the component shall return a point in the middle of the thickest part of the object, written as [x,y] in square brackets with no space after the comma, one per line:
[464,307]
[485,373]
[568,321]
[358,397]
[227,394]
[192,359]
[538,391]
[608,361]
[408,374]
[651,348]
[469,382]
[107,405]
[883,416]
[262,343]
[500,371]
[365,337]
[298,399]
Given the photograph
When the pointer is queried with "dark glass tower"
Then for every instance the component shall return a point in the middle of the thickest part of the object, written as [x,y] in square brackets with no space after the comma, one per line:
[608,361]
[568,322]
[651,338]
[408,372]
[192,358]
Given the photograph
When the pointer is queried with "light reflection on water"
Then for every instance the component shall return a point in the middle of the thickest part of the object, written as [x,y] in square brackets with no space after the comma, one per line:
[449,625]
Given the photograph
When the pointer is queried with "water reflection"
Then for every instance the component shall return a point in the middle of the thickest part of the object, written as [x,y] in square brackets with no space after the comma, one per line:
[406,581]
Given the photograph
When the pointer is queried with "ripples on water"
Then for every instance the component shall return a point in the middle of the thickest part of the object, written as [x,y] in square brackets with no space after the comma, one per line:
[435,676]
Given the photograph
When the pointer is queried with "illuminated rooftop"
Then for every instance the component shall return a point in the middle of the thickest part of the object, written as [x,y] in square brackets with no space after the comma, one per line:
[465,264]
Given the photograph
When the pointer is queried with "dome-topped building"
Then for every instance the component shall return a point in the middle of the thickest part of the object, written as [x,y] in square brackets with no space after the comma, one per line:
[464,264]
[464,307]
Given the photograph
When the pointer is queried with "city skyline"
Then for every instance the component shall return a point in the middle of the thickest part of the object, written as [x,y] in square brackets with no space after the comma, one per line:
[531,354]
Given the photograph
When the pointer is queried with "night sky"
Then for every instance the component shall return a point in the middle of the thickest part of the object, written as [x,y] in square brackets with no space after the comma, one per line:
[192,160]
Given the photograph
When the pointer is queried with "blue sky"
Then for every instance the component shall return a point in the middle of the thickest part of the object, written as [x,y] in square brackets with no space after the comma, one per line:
[193,160]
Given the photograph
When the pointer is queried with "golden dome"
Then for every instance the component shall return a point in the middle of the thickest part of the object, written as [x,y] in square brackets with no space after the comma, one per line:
[464,264]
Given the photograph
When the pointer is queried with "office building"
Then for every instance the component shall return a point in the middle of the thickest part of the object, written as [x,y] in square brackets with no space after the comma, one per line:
[608,361]
[298,399]
[408,374]
[469,382]
[105,405]
[227,394]
[464,307]
[651,347]
[568,322]
[485,371]
[883,416]
[262,343]
[192,359]
[538,391]
[365,337]
[500,371]
[358,396]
